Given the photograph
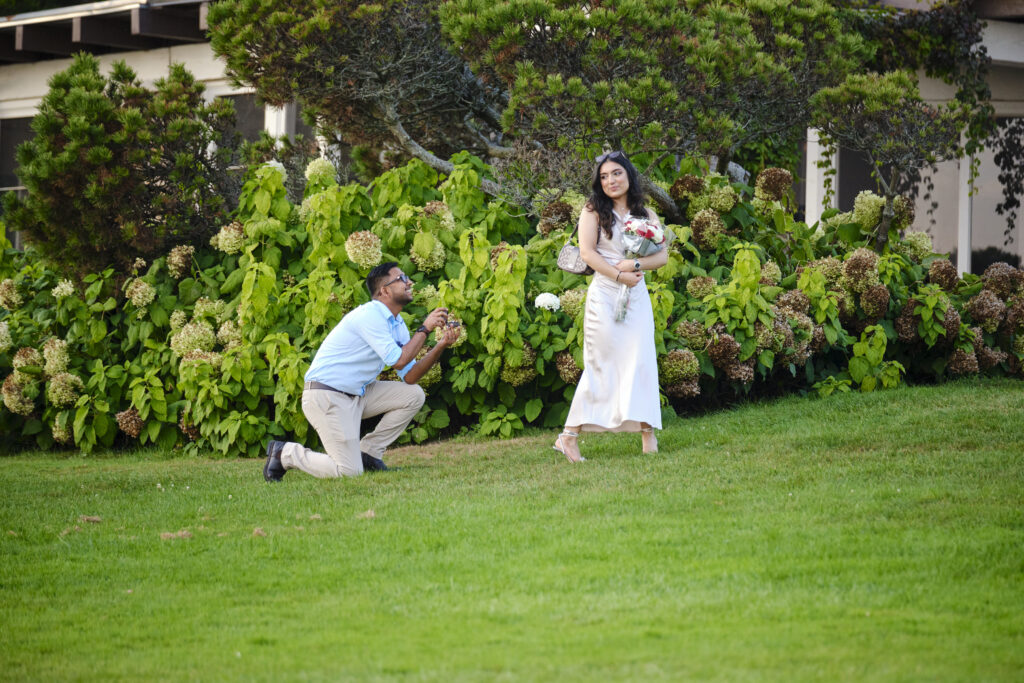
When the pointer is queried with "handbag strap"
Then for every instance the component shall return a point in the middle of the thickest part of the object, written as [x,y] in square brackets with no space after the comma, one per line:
[573,233]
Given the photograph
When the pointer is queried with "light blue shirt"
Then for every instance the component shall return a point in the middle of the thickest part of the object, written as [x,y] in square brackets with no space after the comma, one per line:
[367,340]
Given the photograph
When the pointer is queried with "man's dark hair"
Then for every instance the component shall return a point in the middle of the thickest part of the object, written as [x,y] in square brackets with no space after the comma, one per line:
[378,276]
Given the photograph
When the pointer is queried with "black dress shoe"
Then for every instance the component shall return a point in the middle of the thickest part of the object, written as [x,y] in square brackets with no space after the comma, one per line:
[273,470]
[372,464]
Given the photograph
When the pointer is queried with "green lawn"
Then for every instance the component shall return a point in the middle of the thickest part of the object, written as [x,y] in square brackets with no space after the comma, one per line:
[860,537]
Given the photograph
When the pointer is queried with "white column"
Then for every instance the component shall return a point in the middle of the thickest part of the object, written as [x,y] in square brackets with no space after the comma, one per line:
[963,216]
[280,121]
[815,179]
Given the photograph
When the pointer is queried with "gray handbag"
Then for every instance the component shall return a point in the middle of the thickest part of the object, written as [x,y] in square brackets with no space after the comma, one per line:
[569,258]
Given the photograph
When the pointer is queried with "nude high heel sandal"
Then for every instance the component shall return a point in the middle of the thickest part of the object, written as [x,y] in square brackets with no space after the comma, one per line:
[561,449]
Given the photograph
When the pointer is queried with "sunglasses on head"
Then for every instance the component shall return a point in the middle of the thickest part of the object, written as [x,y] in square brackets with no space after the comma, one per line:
[401,278]
[610,155]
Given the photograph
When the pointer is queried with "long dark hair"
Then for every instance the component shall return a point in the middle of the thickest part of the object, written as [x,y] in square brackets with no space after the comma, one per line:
[602,204]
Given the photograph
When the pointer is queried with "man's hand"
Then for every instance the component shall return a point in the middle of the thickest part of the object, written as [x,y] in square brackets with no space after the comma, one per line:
[436,318]
[451,335]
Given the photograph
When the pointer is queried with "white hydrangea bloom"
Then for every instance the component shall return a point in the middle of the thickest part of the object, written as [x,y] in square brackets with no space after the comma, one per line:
[547,300]
[275,164]
[63,289]
[320,171]
[5,337]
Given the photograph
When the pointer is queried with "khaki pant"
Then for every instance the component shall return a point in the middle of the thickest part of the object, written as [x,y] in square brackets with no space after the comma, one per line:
[335,417]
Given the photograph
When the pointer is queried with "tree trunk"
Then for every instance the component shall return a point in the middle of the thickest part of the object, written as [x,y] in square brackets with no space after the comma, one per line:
[888,214]
[666,205]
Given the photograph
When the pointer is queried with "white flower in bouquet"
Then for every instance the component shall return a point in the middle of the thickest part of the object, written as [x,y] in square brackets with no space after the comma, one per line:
[641,237]
[547,300]
[63,289]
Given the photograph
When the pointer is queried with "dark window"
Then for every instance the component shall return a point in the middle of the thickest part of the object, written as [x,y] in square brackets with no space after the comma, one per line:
[13,132]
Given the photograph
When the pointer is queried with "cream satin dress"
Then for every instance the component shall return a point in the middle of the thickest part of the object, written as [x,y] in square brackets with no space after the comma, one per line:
[619,386]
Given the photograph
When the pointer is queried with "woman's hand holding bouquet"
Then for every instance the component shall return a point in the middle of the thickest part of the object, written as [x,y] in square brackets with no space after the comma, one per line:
[641,237]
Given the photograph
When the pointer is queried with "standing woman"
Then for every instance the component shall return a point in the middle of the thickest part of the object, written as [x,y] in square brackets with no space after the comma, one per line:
[618,391]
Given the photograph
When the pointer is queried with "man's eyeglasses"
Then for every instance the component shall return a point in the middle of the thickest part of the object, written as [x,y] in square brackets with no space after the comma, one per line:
[610,155]
[403,278]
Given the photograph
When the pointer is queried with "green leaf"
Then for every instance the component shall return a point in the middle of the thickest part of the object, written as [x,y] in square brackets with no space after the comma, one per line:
[533,408]
[439,419]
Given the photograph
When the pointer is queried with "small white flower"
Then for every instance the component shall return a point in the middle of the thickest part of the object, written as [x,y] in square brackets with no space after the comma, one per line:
[547,300]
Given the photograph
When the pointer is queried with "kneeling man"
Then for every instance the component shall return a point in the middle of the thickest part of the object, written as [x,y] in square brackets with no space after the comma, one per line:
[341,386]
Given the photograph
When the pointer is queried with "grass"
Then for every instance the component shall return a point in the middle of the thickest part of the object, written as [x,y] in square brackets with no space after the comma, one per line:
[860,537]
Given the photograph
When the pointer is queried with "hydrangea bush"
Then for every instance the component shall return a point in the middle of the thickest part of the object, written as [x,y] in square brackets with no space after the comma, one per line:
[206,347]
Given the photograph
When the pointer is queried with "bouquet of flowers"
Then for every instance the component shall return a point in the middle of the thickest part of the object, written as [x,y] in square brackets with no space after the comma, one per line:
[641,237]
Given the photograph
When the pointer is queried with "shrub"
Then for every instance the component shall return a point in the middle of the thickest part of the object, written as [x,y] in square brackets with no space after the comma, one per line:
[117,171]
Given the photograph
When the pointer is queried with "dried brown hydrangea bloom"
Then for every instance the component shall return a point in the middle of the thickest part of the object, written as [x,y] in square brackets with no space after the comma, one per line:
[987,310]
[1015,315]
[771,274]
[875,301]
[693,333]
[678,365]
[190,430]
[800,354]
[700,286]
[943,273]
[723,350]
[741,372]
[573,301]
[772,184]
[554,216]
[15,397]
[830,267]
[517,375]
[802,323]
[951,323]
[846,303]
[130,423]
[860,270]
[496,251]
[988,357]
[434,208]
[687,389]
[904,212]
[1002,279]
[567,368]
[818,339]
[686,187]
[794,300]
[963,363]
[708,229]
[906,323]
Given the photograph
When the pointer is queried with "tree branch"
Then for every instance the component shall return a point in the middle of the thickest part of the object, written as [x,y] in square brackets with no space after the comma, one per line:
[413,148]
